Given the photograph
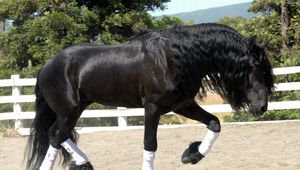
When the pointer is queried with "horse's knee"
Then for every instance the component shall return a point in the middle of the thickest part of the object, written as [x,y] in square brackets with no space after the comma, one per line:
[214,125]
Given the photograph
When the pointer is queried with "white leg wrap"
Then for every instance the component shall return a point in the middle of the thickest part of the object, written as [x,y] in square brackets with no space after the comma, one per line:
[79,157]
[49,159]
[148,160]
[207,143]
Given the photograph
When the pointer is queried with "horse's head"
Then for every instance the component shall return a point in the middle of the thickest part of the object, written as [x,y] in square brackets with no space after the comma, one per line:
[257,94]
[260,79]
[244,74]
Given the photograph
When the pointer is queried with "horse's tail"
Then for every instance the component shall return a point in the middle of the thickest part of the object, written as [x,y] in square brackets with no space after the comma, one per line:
[38,141]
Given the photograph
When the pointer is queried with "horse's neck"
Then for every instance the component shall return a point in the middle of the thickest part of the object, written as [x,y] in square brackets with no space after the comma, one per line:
[199,62]
[207,61]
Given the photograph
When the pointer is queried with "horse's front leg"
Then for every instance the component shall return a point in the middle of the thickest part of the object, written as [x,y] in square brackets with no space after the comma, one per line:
[197,150]
[150,138]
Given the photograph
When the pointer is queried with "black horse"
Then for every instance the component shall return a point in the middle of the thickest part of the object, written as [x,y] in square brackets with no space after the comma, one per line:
[161,71]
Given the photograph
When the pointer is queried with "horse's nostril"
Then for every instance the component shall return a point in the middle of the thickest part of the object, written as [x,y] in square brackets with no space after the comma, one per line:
[264,108]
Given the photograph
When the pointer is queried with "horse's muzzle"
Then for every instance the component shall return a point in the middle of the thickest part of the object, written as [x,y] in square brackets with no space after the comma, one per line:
[258,110]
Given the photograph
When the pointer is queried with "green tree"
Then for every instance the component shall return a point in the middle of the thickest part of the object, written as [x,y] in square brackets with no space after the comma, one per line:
[284,24]
[277,22]
[42,28]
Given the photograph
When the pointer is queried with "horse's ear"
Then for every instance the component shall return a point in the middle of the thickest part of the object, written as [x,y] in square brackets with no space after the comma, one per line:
[252,41]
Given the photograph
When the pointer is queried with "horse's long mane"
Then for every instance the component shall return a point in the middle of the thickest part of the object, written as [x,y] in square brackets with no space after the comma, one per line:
[215,58]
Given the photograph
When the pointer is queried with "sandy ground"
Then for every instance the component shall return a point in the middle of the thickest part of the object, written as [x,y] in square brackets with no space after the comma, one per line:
[274,146]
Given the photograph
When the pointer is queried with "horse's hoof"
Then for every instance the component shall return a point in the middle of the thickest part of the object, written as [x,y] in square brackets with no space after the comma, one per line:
[191,154]
[86,166]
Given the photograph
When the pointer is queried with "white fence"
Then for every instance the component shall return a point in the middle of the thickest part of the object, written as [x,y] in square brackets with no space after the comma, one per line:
[122,113]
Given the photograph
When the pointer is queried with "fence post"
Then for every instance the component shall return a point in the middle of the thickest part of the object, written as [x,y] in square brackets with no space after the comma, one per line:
[16,91]
[122,120]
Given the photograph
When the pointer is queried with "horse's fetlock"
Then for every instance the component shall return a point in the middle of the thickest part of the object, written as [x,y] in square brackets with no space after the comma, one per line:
[150,147]
[214,125]
[53,142]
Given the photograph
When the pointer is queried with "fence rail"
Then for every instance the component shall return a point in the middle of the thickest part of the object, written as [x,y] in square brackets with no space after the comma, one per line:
[122,113]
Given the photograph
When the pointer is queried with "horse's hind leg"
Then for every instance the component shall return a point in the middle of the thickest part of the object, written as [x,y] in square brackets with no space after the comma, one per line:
[198,150]
[65,127]
[61,135]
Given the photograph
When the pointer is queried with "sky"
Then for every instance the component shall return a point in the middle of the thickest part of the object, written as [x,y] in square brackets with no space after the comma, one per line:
[177,6]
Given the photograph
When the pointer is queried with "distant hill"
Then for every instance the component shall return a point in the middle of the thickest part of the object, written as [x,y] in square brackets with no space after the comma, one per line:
[215,14]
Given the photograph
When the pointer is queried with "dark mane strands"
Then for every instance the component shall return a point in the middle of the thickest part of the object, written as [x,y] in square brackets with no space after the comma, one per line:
[208,41]
[197,51]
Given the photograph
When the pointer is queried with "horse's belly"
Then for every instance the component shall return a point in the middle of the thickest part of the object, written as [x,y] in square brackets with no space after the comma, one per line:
[112,93]
[129,103]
